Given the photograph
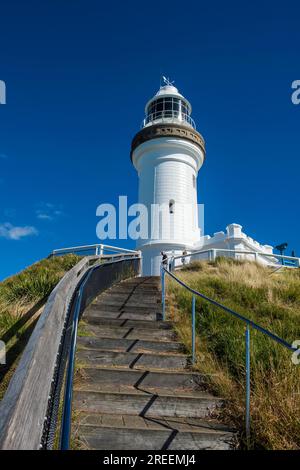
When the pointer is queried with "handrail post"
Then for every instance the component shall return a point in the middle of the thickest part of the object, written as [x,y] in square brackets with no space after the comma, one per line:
[247,341]
[193,329]
[163,300]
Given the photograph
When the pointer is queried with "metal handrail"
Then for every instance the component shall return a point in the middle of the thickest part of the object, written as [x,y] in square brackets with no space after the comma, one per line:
[249,323]
[67,408]
[67,404]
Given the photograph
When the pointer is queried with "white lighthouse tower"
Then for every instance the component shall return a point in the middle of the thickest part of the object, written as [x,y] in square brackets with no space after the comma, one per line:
[167,154]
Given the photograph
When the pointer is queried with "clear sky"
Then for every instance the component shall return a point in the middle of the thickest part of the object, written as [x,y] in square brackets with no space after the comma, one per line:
[78,74]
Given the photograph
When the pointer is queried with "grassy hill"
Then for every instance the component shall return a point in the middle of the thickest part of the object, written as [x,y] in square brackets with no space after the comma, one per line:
[22,298]
[271,300]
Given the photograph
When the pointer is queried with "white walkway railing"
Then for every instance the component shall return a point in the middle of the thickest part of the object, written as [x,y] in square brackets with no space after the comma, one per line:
[97,249]
[213,253]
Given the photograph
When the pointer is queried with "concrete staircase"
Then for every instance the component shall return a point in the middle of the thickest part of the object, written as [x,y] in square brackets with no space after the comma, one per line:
[133,388]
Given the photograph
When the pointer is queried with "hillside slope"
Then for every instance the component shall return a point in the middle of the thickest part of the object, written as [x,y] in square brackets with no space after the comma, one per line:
[22,298]
[273,301]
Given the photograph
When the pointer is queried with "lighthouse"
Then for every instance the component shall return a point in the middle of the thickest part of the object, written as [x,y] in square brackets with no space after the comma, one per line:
[167,154]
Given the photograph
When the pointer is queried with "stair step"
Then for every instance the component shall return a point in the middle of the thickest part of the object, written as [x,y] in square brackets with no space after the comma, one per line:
[104,358]
[118,432]
[126,345]
[128,333]
[142,280]
[157,422]
[130,364]
[116,378]
[155,325]
[131,315]
[119,289]
[127,298]
[119,307]
[113,305]
[187,405]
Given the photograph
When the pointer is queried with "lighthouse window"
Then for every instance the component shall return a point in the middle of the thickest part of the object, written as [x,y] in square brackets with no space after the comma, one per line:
[168,107]
[167,104]
[171,206]
[160,106]
[194,181]
[184,109]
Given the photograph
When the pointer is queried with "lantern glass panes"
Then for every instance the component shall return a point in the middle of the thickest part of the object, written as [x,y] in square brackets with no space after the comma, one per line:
[169,108]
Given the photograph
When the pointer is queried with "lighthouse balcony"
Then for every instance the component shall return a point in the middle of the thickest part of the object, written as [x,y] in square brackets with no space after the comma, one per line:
[168,117]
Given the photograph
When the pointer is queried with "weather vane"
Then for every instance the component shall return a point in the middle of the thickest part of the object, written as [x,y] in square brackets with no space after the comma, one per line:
[167,81]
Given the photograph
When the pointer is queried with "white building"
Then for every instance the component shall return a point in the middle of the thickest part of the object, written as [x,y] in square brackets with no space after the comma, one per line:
[233,243]
[167,153]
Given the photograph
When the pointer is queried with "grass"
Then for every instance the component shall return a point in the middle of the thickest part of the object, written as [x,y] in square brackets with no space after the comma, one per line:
[83,329]
[271,300]
[37,281]
[22,298]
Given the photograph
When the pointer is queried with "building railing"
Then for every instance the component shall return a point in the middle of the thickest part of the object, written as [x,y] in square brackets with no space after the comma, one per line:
[169,117]
[212,253]
[248,323]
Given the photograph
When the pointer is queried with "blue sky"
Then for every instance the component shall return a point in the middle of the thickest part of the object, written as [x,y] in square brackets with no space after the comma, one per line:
[78,75]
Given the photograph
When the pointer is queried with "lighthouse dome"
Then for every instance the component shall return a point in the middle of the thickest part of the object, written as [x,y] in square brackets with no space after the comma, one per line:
[168,90]
[168,106]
